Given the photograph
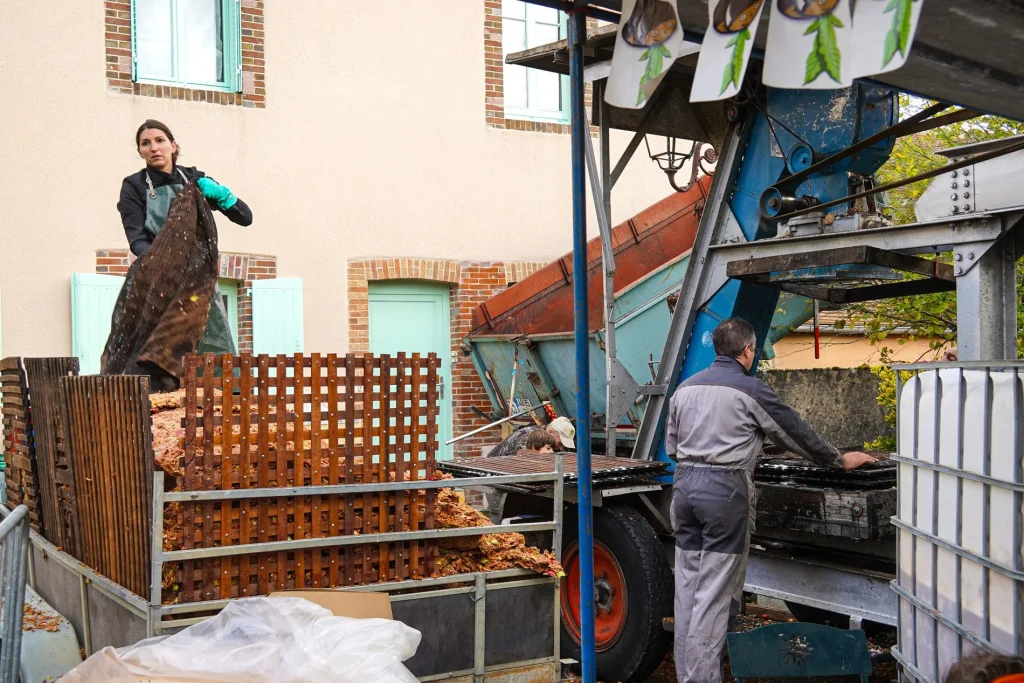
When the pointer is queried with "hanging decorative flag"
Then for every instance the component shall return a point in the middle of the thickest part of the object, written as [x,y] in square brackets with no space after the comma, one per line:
[649,41]
[726,49]
[894,19]
[813,34]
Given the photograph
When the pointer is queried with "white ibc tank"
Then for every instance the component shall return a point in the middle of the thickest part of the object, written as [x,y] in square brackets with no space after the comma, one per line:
[959,518]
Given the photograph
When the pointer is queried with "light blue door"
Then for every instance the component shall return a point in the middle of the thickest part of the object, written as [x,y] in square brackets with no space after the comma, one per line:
[92,305]
[413,316]
[277,325]
[228,290]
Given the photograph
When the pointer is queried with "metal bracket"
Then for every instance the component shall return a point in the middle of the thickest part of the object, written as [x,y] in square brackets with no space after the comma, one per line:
[623,390]
[967,256]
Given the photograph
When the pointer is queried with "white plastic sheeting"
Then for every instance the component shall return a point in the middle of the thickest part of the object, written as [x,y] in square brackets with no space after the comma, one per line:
[284,640]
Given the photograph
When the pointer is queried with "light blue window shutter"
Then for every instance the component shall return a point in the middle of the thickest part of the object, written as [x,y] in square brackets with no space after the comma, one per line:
[92,305]
[277,316]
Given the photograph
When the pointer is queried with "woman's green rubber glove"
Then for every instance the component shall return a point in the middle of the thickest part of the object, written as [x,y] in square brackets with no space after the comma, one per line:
[216,193]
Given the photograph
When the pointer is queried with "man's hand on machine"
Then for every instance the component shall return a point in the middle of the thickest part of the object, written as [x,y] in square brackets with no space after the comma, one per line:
[216,193]
[855,459]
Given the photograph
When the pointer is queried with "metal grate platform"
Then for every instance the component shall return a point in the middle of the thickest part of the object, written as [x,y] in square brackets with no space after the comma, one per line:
[606,470]
[796,471]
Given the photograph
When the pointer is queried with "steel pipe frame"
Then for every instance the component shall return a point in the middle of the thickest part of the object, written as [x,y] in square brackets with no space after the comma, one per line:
[14,542]
[153,611]
[156,611]
[580,133]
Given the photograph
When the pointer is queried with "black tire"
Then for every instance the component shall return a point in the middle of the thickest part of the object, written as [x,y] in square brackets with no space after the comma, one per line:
[642,642]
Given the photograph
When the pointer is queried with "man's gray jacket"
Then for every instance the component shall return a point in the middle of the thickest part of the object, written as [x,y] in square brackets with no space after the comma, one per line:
[721,415]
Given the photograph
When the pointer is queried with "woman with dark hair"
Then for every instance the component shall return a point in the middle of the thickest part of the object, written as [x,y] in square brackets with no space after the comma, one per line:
[146,198]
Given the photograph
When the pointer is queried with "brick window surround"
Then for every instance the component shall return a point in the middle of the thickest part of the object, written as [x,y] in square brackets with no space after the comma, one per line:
[118,41]
[494,70]
[243,268]
[469,285]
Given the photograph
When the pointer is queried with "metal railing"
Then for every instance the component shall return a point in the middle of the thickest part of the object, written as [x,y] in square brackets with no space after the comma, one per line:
[162,498]
[155,618]
[14,550]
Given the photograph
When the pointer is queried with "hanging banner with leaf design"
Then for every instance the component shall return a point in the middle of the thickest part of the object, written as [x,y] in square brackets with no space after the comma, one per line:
[726,48]
[894,19]
[649,41]
[809,44]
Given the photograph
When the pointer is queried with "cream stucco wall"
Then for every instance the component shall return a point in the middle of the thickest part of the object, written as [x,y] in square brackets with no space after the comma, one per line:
[796,351]
[373,143]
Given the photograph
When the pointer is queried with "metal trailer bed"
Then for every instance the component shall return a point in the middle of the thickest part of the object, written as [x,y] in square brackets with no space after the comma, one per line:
[516,640]
[856,585]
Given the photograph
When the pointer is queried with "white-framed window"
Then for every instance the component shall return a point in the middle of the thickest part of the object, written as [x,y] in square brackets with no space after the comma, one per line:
[190,43]
[532,93]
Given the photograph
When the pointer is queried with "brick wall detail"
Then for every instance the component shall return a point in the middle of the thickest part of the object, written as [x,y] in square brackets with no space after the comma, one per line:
[494,79]
[470,284]
[243,268]
[118,42]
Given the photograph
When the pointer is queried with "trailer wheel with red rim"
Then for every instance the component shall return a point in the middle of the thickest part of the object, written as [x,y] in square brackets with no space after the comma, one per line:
[632,593]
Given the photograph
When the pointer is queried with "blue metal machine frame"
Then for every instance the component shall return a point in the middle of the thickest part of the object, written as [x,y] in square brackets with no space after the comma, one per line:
[577,39]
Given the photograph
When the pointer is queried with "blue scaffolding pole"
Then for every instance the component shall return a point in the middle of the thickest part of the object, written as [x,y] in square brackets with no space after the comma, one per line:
[578,118]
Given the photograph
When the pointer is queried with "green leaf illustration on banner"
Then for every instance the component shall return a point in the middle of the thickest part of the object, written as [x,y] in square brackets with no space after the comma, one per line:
[824,55]
[655,57]
[734,69]
[898,37]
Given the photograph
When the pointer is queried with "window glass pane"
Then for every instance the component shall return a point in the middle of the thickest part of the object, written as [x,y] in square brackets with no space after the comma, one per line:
[515,87]
[515,9]
[153,33]
[542,34]
[544,86]
[513,36]
[546,91]
[513,39]
[544,14]
[203,23]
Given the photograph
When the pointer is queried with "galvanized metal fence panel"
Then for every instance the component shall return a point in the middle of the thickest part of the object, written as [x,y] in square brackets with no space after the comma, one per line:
[959,519]
[14,540]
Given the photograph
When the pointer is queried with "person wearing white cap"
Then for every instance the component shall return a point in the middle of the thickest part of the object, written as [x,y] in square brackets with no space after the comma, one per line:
[560,428]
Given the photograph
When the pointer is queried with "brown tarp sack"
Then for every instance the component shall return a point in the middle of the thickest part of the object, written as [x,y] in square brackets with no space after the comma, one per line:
[161,312]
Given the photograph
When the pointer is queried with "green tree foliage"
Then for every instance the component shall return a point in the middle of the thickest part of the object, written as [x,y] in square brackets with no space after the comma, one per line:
[887,399]
[931,316]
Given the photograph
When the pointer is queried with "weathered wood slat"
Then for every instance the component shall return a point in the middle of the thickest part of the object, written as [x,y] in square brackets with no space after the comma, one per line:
[110,443]
[48,411]
[21,475]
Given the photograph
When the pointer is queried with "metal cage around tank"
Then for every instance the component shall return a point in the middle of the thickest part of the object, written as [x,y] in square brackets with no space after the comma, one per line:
[960,518]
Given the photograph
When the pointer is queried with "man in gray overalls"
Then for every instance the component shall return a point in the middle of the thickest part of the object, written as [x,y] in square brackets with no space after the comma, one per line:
[716,428]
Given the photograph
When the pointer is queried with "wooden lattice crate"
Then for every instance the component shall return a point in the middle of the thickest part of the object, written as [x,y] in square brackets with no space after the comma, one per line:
[312,410]
[19,452]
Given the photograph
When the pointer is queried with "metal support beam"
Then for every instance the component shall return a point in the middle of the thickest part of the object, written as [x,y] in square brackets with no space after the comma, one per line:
[602,199]
[714,227]
[857,594]
[986,303]
[580,135]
